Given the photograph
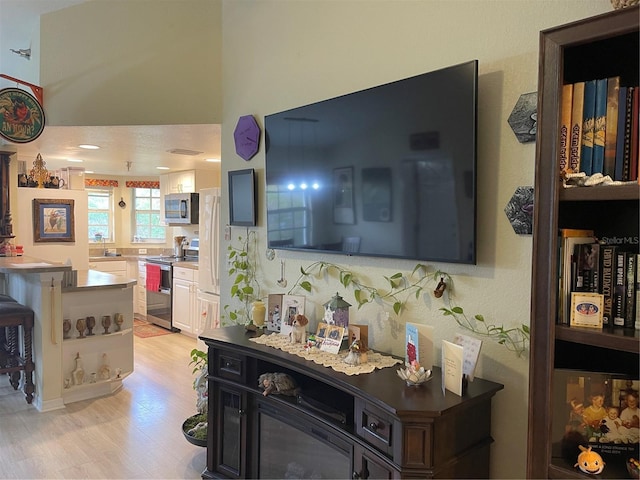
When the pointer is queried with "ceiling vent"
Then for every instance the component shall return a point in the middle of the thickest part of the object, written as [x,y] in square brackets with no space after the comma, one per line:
[182,151]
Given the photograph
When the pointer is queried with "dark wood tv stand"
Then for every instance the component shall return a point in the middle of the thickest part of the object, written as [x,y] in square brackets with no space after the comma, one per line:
[382,428]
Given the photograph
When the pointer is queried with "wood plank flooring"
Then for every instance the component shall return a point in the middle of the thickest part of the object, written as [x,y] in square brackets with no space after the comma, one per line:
[134,433]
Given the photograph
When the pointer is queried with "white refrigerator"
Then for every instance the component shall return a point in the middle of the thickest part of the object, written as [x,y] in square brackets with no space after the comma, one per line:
[209,262]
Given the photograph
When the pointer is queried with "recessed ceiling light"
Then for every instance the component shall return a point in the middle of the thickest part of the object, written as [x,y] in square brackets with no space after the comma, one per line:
[213,160]
[87,146]
[88,171]
[74,160]
[162,168]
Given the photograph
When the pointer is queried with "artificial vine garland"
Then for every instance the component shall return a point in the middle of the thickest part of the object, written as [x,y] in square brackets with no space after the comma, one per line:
[402,288]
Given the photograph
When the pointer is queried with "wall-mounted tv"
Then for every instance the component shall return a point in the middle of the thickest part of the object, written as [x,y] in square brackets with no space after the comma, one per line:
[387,172]
[242,197]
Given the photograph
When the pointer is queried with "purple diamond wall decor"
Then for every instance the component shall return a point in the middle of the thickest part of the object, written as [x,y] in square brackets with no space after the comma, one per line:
[524,117]
[247,137]
[519,211]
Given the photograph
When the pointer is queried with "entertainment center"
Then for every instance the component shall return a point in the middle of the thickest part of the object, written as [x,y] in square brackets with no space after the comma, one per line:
[337,426]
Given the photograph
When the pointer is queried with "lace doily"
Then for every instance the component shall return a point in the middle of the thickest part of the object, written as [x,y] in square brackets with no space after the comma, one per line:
[335,361]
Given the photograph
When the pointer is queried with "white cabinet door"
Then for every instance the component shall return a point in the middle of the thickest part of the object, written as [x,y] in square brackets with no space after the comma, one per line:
[182,311]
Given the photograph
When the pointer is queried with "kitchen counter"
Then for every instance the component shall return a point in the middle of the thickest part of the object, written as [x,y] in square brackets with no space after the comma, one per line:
[94,280]
[25,264]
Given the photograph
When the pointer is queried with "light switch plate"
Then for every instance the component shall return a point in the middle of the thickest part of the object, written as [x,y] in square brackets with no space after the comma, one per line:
[227,232]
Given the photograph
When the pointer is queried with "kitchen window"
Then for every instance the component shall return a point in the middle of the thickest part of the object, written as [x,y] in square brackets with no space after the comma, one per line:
[100,207]
[146,216]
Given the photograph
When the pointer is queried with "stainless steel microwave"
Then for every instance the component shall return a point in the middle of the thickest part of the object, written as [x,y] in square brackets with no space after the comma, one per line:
[181,208]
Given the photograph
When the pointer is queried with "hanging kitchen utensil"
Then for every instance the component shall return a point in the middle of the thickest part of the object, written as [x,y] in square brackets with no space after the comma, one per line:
[122,203]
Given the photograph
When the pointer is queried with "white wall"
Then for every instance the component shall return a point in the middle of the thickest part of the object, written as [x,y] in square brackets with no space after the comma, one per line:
[142,62]
[22,214]
[279,54]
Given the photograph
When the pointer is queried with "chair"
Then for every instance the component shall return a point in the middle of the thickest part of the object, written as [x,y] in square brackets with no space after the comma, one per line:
[13,316]
[351,244]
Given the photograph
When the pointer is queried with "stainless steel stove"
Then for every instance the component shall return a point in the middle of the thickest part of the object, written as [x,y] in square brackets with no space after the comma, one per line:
[159,298]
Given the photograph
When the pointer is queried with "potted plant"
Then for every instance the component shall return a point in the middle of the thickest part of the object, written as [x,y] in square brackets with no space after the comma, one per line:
[194,428]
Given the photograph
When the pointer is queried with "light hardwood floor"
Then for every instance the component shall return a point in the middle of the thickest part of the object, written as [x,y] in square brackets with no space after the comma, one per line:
[134,433]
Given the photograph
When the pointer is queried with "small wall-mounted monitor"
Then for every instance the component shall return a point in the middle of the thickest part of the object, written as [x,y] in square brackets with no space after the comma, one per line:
[242,198]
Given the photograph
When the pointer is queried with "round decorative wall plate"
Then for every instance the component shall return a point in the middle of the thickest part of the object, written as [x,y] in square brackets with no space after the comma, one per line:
[22,116]
[247,137]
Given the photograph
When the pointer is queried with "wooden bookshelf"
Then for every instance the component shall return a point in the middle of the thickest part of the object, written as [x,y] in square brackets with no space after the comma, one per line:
[598,47]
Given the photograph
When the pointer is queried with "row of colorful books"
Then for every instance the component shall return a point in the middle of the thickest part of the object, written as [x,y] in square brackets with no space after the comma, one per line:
[599,129]
[612,270]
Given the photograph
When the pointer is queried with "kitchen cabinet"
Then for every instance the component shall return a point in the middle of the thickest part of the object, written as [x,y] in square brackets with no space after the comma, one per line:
[140,290]
[185,300]
[114,267]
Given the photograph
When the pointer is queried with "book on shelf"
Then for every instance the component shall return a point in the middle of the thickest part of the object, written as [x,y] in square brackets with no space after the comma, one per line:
[577,109]
[587,268]
[599,126]
[607,256]
[622,102]
[588,127]
[611,127]
[569,238]
[565,128]
[619,294]
[630,287]
[637,317]
[633,160]
[626,149]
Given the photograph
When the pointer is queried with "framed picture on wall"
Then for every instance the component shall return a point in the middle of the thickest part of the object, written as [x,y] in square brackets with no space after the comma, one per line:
[53,220]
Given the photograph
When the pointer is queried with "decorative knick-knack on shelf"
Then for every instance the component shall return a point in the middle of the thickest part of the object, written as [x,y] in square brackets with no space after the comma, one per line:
[118,319]
[91,323]
[106,323]
[81,324]
[78,372]
[66,328]
[104,372]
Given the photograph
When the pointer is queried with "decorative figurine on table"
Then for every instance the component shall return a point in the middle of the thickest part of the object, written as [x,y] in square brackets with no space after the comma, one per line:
[299,332]
[277,383]
[339,311]
[589,462]
[357,354]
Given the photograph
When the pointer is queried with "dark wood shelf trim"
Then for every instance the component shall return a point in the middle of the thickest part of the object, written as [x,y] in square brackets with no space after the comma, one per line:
[602,193]
[622,339]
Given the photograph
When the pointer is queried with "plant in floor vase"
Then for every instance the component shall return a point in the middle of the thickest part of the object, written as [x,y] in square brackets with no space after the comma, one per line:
[195,427]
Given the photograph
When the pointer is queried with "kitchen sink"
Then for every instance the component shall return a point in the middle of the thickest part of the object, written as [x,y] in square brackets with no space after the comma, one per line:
[112,254]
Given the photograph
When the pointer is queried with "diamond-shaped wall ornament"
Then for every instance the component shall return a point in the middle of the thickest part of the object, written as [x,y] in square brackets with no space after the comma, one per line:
[524,117]
[247,137]
[519,210]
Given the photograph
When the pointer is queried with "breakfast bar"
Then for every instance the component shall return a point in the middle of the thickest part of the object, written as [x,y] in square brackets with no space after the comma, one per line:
[38,284]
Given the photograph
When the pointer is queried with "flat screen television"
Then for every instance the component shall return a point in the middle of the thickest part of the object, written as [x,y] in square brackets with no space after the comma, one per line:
[389,171]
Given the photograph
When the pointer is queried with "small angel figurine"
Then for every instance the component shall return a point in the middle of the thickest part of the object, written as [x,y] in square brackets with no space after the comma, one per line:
[328,316]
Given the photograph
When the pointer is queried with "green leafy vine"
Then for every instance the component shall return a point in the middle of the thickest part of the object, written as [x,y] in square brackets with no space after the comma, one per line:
[245,288]
[402,288]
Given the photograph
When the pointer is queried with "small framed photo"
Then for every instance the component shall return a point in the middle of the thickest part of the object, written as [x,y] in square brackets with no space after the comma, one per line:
[586,309]
[274,320]
[53,220]
[292,305]
[333,339]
